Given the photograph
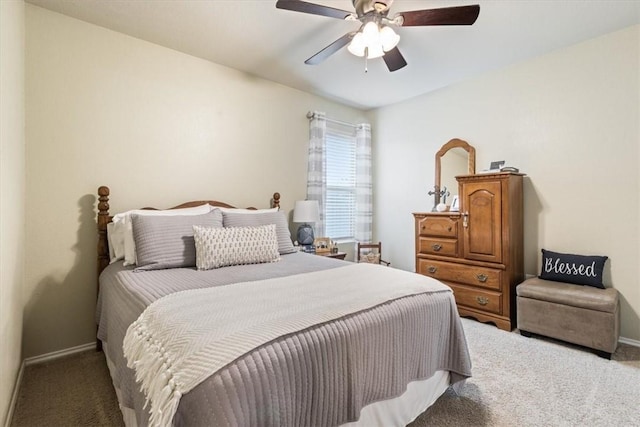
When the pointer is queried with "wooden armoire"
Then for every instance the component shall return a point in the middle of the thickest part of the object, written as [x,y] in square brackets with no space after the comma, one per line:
[477,251]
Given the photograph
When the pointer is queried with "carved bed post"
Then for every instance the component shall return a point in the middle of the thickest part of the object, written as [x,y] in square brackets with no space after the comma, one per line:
[276,200]
[103,244]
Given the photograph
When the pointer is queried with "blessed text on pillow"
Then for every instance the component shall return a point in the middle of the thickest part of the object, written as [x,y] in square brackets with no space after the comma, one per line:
[575,269]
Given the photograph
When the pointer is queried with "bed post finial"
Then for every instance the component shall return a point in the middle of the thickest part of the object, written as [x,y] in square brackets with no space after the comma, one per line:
[276,200]
[103,200]
[103,220]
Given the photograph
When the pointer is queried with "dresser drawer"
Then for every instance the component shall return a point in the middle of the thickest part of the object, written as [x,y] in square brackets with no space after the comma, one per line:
[431,246]
[479,299]
[438,226]
[466,274]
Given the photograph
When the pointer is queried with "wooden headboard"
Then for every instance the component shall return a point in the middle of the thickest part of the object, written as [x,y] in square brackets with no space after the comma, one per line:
[105,218]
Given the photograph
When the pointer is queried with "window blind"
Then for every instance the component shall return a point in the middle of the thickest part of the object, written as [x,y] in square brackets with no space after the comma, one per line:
[340,206]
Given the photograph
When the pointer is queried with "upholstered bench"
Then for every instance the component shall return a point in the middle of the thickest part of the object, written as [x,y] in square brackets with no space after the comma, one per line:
[582,315]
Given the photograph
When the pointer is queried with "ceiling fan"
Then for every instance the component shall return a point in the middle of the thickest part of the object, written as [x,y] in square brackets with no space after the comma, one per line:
[375,38]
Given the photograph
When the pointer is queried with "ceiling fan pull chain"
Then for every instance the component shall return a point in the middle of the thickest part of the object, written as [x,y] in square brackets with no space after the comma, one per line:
[366,60]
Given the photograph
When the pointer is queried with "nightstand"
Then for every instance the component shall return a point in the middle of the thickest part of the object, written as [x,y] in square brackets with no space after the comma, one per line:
[338,255]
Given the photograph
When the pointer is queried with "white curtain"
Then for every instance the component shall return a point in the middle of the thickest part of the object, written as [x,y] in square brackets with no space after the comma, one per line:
[364,185]
[317,170]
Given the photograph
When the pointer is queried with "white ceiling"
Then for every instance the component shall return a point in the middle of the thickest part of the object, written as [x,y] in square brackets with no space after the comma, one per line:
[255,37]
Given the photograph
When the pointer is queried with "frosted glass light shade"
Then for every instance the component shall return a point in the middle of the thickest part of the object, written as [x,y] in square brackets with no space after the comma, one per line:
[371,33]
[356,46]
[373,41]
[389,38]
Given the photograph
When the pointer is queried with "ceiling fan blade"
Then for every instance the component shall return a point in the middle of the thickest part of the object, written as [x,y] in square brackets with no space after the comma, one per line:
[394,59]
[331,49]
[315,9]
[459,15]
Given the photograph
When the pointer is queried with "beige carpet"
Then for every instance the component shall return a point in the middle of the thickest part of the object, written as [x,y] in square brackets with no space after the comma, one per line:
[73,391]
[516,381]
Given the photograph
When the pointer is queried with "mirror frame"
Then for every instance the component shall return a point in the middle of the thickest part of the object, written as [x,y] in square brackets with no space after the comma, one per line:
[454,143]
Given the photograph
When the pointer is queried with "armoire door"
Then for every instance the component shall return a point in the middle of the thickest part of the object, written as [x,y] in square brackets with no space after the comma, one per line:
[482,220]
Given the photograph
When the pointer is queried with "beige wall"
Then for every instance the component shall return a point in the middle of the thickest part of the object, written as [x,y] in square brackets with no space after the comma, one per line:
[12,195]
[569,120]
[158,127]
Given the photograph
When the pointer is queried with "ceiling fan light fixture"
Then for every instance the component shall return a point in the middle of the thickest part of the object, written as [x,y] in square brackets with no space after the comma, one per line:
[374,15]
[357,46]
[389,38]
[372,41]
[371,32]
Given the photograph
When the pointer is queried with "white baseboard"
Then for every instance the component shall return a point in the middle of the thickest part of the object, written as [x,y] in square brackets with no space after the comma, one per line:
[58,354]
[14,396]
[629,341]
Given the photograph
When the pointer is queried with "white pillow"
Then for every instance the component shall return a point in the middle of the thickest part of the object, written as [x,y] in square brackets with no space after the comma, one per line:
[123,228]
[221,247]
[248,211]
[112,252]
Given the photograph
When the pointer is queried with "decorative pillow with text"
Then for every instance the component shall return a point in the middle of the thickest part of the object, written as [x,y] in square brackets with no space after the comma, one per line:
[575,269]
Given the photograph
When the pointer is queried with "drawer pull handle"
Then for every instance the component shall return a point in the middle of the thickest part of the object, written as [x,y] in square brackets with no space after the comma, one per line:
[482,300]
[436,247]
[431,269]
[482,278]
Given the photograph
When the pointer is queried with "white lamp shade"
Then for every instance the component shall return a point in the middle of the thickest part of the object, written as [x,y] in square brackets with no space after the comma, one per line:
[306,211]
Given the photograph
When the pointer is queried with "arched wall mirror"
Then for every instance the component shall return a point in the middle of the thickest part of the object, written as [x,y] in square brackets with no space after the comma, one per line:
[456,157]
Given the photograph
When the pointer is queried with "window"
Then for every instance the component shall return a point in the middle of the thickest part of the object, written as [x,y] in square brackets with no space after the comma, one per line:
[340,207]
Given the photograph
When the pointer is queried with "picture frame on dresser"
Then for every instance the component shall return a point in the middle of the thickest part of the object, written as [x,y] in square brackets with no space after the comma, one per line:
[322,244]
[455,204]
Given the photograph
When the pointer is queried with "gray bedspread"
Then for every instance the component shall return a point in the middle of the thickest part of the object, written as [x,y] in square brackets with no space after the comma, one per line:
[322,375]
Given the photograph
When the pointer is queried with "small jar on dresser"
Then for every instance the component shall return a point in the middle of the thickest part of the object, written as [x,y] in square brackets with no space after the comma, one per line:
[479,250]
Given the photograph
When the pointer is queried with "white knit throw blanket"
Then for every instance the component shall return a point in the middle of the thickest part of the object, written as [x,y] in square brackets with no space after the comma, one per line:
[183,338]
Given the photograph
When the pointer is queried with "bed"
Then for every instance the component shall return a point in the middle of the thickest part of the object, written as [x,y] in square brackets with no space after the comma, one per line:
[290,341]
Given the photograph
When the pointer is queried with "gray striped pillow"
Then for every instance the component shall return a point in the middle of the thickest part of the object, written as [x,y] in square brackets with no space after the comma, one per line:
[167,241]
[285,245]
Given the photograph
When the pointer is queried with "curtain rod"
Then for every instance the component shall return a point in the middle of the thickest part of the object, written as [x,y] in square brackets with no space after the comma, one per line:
[312,115]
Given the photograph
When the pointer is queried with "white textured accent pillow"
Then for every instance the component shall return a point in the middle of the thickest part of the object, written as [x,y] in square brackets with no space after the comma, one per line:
[220,247]
[123,242]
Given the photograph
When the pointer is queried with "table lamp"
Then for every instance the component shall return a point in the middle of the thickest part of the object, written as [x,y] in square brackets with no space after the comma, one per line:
[306,211]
